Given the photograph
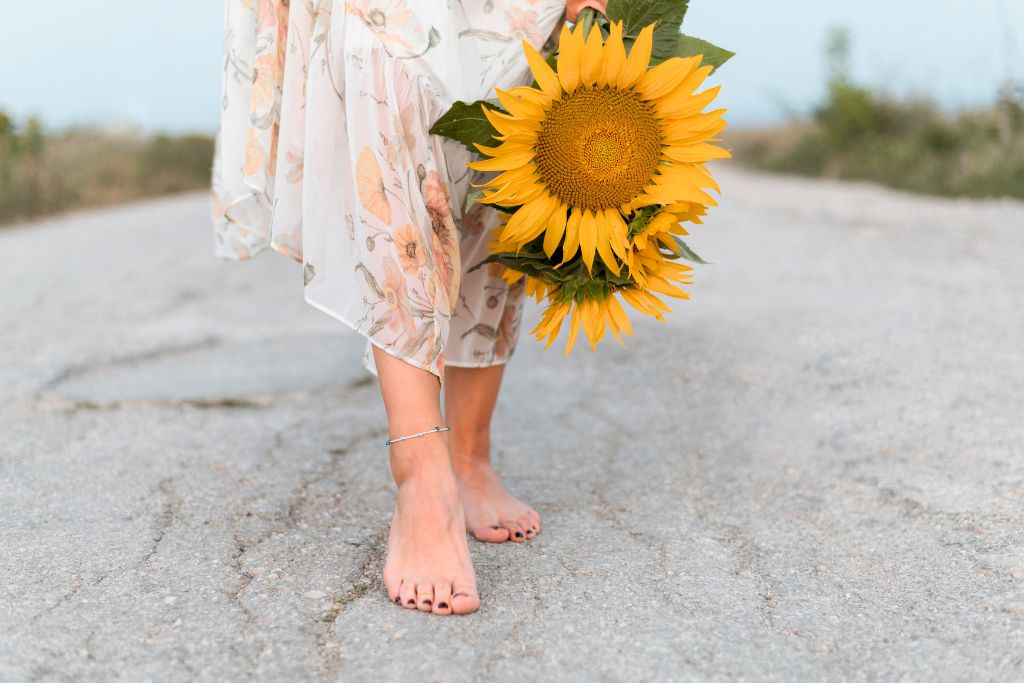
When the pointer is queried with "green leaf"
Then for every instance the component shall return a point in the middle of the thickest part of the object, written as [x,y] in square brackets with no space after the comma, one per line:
[635,15]
[466,124]
[714,56]
[471,199]
[687,253]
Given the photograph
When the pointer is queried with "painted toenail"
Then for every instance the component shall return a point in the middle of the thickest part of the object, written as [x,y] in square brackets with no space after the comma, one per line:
[495,527]
[398,601]
[411,602]
[428,603]
[442,605]
[519,534]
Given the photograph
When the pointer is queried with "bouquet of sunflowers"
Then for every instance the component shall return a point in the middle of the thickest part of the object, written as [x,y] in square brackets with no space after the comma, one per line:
[599,164]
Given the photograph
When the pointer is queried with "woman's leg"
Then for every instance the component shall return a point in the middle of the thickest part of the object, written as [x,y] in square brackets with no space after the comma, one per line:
[428,565]
[492,513]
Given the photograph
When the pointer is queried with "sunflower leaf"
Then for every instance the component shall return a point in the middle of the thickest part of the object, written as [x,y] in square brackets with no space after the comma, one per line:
[713,56]
[687,253]
[466,123]
[636,15]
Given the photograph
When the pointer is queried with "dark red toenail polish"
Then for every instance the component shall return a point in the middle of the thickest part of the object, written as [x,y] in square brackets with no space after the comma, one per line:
[411,602]
[495,527]
[442,605]
[428,603]
[398,601]
[519,534]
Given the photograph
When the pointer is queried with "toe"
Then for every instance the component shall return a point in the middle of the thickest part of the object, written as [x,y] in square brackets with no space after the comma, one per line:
[442,598]
[465,599]
[491,534]
[407,594]
[516,533]
[535,517]
[528,526]
[393,587]
[425,597]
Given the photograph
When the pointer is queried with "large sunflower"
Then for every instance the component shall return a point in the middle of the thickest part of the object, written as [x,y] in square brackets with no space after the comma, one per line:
[599,140]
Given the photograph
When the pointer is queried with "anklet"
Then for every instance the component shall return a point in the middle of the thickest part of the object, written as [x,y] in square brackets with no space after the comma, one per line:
[435,430]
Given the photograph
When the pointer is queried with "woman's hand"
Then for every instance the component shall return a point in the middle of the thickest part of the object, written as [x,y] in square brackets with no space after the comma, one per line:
[573,7]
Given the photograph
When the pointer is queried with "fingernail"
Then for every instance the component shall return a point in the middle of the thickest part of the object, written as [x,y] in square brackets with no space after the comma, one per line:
[442,605]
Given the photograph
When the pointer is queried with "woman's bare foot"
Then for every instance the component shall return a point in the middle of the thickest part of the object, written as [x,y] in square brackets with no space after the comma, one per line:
[492,513]
[428,565]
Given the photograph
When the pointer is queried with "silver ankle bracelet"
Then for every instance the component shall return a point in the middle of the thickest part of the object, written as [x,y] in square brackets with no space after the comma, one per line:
[435,430]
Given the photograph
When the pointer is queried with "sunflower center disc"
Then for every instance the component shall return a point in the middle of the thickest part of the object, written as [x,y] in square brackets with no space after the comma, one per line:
[598,148]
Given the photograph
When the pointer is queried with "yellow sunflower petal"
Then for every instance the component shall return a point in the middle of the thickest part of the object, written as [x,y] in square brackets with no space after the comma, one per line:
[619,316]
[519,107]
[572,236]
[666,77]
[569,49]
[618,233]
[588,239]
[528,222]
[546,78]
[604,242]
[639,58]
[503,163]
[509,125]
[591,59]
[695,153]
[555,231]
[686,103]
[593,322]
[504,148]
[612,325]
[574,329]
[614,55]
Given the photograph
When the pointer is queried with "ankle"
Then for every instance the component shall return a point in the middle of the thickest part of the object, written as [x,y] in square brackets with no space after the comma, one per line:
[470,445]
[420,462]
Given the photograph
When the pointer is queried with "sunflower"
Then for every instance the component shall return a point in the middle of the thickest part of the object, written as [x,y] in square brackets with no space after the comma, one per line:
[603,137]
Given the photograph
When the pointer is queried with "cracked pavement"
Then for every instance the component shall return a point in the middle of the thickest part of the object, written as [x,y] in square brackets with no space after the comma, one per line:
[814,470]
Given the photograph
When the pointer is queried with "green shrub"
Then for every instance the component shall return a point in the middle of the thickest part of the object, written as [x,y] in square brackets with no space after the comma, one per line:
[857,133]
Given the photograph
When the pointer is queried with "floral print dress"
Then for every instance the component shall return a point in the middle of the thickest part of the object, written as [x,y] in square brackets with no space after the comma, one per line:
[324,155]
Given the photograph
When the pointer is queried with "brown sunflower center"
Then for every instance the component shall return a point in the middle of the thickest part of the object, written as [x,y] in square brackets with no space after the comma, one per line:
[598,148]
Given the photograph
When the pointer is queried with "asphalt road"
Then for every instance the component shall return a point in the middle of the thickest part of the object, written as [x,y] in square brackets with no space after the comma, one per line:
[814,471]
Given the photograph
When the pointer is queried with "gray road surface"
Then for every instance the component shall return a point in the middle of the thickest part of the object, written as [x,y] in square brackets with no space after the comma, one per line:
[814,471]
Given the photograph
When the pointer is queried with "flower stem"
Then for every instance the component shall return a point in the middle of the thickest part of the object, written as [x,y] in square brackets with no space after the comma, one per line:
[588,18]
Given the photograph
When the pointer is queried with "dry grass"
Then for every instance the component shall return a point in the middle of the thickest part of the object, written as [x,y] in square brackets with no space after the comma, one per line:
[42,173]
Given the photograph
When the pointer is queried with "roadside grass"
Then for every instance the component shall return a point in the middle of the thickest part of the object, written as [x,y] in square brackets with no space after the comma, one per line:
[910,144]
[43,173]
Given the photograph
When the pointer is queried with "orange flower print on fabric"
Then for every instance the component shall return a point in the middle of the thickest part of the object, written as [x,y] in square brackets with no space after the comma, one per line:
[436,194]
[391,21]
[522,25]
[255,155]
[370,183]
[411,253]
[268,73]
[396,294]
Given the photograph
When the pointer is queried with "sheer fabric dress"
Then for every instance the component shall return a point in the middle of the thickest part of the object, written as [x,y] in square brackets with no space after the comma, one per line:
[324,155]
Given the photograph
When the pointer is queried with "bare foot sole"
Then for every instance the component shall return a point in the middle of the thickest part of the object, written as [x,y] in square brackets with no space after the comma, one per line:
[493,514]
[428,566]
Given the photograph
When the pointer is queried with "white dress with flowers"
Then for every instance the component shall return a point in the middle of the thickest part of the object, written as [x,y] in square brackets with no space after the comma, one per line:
[324,155]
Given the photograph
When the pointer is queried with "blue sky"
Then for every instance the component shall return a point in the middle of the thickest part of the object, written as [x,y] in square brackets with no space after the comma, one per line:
[156,64]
